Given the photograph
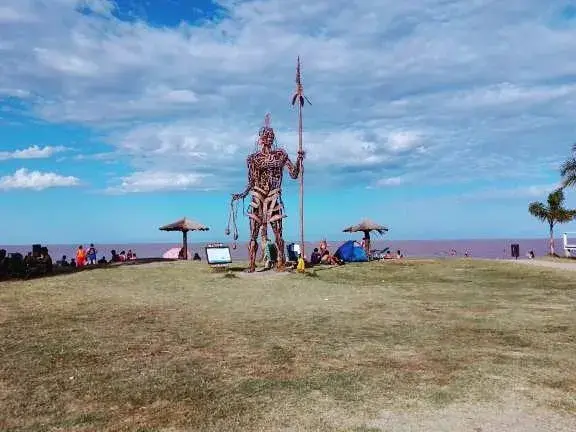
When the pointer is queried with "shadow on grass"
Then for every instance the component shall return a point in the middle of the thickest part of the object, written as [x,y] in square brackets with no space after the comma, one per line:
[62,271]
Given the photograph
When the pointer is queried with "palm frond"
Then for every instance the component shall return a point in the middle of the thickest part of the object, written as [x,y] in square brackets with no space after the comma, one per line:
[556,199]
[568,166]
[538,210]
[564,216]
[568,172]
[554,212]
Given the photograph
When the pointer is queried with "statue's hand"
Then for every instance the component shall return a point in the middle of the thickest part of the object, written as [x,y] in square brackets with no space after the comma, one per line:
[236,196]
[301,154]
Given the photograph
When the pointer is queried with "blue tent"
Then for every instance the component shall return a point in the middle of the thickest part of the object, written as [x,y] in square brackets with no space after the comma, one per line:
[351,252]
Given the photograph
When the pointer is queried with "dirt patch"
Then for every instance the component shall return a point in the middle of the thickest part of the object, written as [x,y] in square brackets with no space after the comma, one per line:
[550,264]
[511,415]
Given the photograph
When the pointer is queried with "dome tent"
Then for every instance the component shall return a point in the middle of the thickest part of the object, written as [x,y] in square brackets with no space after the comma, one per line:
[351,252]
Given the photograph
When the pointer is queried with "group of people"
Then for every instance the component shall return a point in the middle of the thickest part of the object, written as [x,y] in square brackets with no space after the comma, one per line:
[322,255]
[39,262]
[388,255]
[182,255]
[88,256]
[83,257]
[453,253]
[33,264]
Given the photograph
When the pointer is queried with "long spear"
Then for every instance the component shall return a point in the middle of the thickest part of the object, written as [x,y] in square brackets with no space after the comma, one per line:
[299,98]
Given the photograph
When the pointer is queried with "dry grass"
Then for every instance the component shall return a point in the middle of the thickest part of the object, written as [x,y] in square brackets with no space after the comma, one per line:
[560,258]
[171,347]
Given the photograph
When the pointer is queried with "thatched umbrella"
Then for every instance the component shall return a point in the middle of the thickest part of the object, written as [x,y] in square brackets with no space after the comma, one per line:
[367,226]
[184,225]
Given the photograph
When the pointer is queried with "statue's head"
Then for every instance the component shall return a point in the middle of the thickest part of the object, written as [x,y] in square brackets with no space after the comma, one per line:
[266,135]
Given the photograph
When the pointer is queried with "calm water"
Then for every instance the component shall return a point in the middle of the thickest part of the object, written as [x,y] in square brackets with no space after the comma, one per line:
[492,248]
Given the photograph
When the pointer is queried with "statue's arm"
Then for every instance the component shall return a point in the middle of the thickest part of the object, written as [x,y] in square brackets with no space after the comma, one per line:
[294,168]
[251,180]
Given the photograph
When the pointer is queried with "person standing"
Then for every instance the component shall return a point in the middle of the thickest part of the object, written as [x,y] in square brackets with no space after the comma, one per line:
[80,256]
[92,254]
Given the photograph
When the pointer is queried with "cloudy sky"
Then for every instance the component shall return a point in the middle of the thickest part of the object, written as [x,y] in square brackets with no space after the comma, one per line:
[440,118]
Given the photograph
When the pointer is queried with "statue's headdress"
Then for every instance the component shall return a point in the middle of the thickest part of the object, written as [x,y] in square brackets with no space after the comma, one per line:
[266,132]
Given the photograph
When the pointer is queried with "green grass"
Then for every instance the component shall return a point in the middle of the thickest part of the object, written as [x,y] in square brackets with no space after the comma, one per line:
[170,347]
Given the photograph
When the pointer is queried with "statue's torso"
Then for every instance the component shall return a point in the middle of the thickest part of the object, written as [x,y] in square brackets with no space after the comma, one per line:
[268,169]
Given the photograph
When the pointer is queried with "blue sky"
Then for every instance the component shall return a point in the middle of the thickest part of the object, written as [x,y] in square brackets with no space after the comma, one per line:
[441,119]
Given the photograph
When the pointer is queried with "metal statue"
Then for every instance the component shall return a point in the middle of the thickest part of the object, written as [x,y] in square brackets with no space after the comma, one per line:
[265,173]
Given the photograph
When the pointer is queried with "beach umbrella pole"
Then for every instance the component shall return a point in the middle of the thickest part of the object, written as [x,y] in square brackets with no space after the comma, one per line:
[367,243]
[185,243]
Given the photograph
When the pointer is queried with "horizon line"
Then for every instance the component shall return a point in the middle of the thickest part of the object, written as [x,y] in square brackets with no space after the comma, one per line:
[374,239]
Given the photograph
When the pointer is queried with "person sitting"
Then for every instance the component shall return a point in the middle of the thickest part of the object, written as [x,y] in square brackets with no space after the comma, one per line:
[388,255]
[399,254]
[326,257]
[182,254]
[122,256]
[315,258]
[102,260]
[323,249]
[115,257]
[3,263]
[196,257]
[73,263]
[270,254]
[46,260]
[63,262]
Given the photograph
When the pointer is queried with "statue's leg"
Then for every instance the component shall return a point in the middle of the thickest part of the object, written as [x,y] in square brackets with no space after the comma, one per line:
[277,227]
[253,245]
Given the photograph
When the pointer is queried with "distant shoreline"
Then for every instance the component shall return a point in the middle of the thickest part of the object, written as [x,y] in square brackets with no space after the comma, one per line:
[341,240]
[476,248]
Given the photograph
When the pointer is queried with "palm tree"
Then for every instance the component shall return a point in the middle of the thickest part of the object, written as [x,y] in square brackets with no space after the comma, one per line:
[568,170]
[553,213]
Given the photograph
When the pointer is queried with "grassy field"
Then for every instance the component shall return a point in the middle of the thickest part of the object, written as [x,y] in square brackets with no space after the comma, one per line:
[174,347]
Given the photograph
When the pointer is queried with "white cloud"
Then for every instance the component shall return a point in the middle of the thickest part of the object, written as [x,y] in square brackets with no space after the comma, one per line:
[211,148]
[14,92]
[33,152]
[11,15]
[536,192]
[411,89]
[103,7]
[153,181]
[390,181]
[403,141]
[36,180]
[506,93]
[108,157]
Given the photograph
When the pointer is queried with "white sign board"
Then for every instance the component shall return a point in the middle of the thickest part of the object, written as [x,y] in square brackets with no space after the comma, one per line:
[218,255]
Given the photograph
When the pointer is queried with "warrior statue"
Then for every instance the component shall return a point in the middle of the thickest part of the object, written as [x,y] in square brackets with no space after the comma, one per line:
[265,172]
